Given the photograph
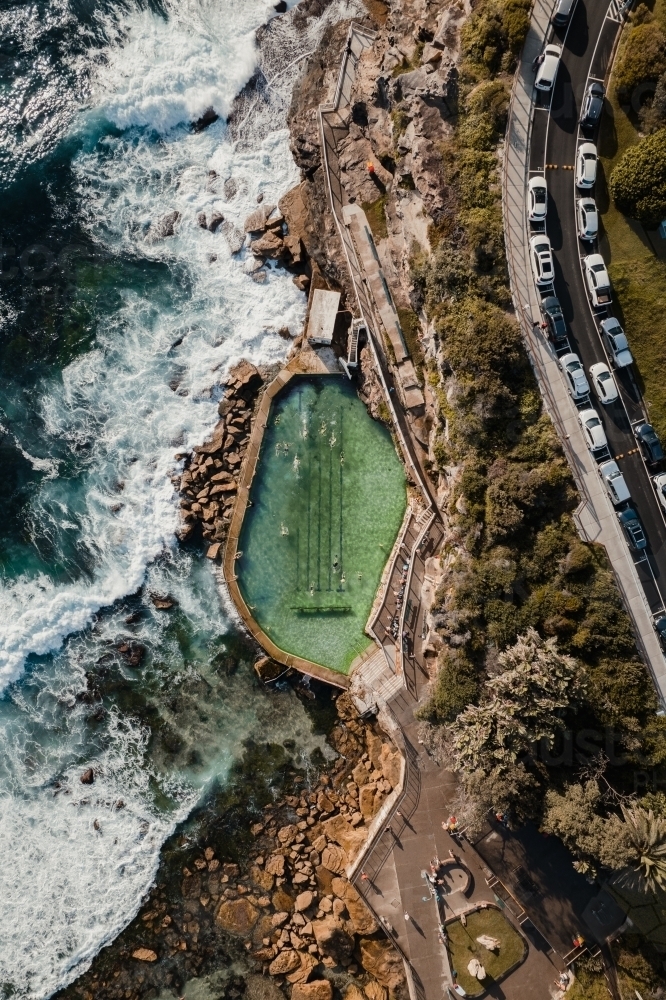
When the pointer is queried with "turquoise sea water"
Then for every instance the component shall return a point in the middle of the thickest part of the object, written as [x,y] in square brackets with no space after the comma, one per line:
[327,501]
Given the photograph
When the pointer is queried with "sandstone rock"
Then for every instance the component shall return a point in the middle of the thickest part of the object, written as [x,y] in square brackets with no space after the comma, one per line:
[303,901]
[88,776]
[253,264]
[374,991]
[270,245]
[264,954]
[282,901]
[380,959]
[287,834]
[260,276]
[360,775]
[237,916]
[285,962]
[256,222]
[213,550]
[366,801]
[201,220]
[208,117]
[144,955]
[360,916]
[230,189]
[332,938]
[279,918]
[302,282]
[302,974]
[339,829]
[215,222]
[320,843]
[334,858]
[324,804]
[275,864]
[390,765]
[320,989]
[245,375]
[234,237]
[353,992]
[163,227]
[263,879]
[374,745]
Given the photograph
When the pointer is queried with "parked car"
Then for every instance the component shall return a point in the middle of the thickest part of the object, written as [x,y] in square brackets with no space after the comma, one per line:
[548,66]
[593,429]
[587,218]
[552,310]
[604,383]
[562,13]
[660,629]
[649,442]
[659,483]
[586,165]
[632,528]
[617,342]
[574,373]
[542,259]
[593,104]
[613,479]
[537,197]
[598,282]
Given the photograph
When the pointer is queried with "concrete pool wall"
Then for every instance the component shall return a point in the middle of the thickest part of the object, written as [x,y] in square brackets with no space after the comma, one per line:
[306,363]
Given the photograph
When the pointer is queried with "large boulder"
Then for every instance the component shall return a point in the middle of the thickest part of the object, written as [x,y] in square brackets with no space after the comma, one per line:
[276,864]
[339,829]
[237,916]
[390,763]
[269,245]
[285,962]
[381,960]
[304,971]
[261,878]
[163,227]
[332,939]
[361,918]
[334,859]
[262,988]
[320,989]
[258,220]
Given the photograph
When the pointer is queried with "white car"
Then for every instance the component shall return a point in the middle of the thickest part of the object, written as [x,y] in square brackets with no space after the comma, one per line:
[659,483]
[593,429]
[574,373]
[587,218]
[537,199]
[617,342]
[598,282]
[604,383]
[547,71]
[586,165]
[542,260]
[616,487]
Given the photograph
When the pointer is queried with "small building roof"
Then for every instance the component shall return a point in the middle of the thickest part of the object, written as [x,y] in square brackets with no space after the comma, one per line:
[323,312]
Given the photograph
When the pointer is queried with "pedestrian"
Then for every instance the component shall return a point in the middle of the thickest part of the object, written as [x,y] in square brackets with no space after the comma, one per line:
[398,813]
[365,877]
[406,916]
[389,830]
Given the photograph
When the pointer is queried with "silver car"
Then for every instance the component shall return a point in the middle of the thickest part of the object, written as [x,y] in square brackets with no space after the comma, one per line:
[613,479]
[586,165]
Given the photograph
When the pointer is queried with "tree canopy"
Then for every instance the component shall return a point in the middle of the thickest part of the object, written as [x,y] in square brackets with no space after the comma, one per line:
[638,182]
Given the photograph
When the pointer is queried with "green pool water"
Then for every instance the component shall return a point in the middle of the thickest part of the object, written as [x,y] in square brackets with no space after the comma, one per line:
[327,501]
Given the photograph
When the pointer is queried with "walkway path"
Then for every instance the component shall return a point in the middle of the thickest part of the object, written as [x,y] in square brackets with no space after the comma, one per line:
[595,517]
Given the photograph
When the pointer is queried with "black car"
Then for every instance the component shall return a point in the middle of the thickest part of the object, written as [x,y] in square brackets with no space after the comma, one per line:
[593,104]
[562,12]
[633,528]
[660,629]
[649,442]
[552,310]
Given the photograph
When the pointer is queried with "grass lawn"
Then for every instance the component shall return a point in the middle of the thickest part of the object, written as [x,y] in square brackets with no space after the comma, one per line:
[463,946]
[638,275]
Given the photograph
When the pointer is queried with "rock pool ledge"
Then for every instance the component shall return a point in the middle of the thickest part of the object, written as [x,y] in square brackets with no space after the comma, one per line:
[306,362]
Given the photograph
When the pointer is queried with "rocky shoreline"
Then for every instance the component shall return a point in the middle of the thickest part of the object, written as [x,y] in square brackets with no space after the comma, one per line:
[256,902]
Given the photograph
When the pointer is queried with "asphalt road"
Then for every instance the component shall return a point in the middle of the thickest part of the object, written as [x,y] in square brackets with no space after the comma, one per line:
[588,45]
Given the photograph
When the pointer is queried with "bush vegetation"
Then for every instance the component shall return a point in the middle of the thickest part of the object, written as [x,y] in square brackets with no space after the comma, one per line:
[638,182]
[518,564]
[642,55]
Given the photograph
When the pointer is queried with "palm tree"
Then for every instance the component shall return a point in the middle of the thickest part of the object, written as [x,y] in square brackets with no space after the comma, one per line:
[647,836]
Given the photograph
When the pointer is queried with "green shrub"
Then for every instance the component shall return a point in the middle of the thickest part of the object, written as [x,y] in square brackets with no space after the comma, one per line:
[638,182]
[454,688]
[642,57]
[494,34]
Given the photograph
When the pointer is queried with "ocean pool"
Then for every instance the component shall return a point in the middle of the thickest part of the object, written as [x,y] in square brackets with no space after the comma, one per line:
[326,504]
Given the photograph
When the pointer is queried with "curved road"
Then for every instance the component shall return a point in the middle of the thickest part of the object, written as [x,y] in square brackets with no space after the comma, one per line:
[588,48]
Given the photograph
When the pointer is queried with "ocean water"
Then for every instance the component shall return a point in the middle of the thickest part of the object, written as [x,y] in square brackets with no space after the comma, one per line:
[114,345]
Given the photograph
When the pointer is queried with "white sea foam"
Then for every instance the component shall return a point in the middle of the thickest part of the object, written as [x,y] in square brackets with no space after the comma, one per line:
[110,426]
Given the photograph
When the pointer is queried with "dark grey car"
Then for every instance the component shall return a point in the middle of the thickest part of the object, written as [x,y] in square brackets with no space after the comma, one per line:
[633,528]
[593,104]
[649,442]
[552,310]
